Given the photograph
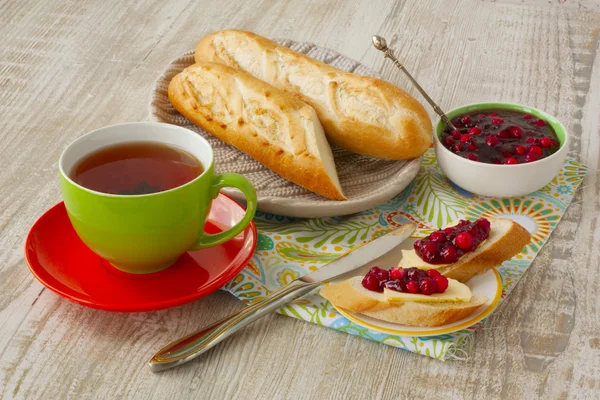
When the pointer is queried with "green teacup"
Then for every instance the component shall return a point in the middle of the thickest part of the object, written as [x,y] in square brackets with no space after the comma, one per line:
[147,233]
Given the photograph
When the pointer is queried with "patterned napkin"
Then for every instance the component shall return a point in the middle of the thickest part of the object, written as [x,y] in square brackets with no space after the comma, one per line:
[291,247]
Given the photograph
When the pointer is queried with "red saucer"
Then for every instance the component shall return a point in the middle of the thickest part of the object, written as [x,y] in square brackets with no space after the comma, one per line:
[60,260]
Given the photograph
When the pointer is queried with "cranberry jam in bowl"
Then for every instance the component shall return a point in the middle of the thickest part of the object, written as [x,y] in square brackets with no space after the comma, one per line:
[500,149]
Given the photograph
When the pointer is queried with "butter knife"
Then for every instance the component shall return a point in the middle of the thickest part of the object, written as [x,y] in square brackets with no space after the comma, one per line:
[191,346]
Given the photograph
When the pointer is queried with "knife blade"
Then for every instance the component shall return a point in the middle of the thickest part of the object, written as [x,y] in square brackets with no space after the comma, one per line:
[191,346]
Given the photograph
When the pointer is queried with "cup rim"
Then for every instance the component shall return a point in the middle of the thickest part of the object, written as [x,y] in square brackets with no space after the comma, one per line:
[141,123]
[509,106]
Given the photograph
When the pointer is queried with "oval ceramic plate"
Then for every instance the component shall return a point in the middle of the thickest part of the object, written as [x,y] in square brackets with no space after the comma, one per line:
[61,262]
[488,284]
[366,181]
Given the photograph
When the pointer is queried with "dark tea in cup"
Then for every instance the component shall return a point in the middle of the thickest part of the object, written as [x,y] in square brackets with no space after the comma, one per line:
[136,168]
[170,169]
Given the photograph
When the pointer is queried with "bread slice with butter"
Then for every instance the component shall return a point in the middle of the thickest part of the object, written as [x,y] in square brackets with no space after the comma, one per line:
[507,238]
[456,303]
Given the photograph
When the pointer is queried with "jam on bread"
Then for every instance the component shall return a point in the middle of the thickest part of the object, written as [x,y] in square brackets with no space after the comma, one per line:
[409,280]
[446,246]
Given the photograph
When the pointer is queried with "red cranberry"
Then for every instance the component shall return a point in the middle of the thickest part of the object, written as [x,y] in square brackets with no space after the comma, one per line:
[466,119]
[496,161]
[472,157]
[427,286]
[370,282]
[457,147]
[511,160]
[497,121]
[536,150]
[374,270]
[507,154]
[448,231]
[437,236]
[493,114]
[382,275]
[464,241]
[397,273]
[441,282]
[430,247]
[540,122]
[449,141]
[432,273]
[456,134]
[412,286]
[546,142]
[403,273]
[491,140]
[480,116]
[530,140]
[472,147]
[449,255]
[484,223]
[503,134]
[520,150]
[466,138]
[527,116]
[530,157]
[475,131]
[515,131]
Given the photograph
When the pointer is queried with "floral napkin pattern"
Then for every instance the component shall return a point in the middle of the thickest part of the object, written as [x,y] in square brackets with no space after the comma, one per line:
[291,247]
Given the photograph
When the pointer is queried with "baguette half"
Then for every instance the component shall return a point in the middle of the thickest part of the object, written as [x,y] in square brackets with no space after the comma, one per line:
[352,296]
[362,114]
[275,128]
[507,238]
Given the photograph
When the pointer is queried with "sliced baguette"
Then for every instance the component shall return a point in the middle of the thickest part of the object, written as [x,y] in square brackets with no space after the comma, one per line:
[359,113]
[273,127]
[352,296]
[507,238]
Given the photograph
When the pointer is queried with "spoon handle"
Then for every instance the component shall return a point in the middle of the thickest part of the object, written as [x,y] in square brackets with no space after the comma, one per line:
[191,346]
[381,45]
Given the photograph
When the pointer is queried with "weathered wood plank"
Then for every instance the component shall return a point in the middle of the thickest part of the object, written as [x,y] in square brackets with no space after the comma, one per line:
[72,66]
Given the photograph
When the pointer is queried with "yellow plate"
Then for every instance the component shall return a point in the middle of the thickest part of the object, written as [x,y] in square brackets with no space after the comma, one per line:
[488,284]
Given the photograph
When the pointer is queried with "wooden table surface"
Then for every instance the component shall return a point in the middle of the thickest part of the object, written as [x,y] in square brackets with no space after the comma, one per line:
[67,67]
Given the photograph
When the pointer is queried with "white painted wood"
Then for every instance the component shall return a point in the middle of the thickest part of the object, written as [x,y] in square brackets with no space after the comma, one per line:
[67,67]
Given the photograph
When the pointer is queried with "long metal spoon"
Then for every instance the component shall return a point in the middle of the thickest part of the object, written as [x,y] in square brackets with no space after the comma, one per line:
[381,45]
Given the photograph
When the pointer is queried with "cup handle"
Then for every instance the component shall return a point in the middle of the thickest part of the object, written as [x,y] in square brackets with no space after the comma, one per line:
[242,183]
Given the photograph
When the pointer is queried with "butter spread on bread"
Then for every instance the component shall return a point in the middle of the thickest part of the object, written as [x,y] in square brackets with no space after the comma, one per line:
[362,114]
[456,292]
[275,128]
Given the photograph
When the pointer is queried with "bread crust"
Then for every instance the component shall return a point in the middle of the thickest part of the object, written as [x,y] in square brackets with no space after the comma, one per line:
[428,314]
[510,244]
[296,164]
[362,114]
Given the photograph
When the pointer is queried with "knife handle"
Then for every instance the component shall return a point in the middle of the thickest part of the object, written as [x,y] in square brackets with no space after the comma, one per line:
[189,347]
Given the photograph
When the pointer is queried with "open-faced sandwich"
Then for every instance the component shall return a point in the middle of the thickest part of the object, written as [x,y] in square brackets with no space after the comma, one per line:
[427,288]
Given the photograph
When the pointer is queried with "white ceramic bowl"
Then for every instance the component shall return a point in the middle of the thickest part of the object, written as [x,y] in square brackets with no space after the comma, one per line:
[501,180]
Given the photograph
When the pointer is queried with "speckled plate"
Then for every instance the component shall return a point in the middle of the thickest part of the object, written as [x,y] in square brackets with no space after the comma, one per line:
[366,181]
